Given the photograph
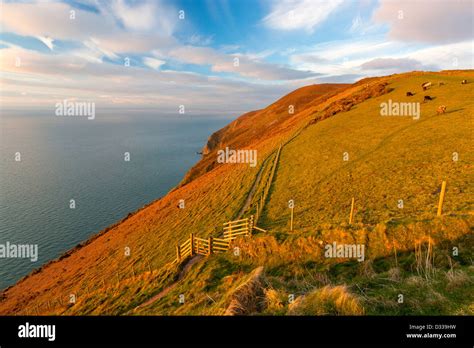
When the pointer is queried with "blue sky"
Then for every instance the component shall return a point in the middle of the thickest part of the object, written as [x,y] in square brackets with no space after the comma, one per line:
[224,56]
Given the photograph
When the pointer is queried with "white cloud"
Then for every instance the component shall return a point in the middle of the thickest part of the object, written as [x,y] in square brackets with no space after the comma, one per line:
[149,25]
[95,48]
[335,50]
[135,42]
[42,79]
[153,62]
[241,64]
[146,15]
[356,24]
[432,21]
[196,55]
[450,56]
[341,57]
[397,64]
[47,41]
[261,70]
[199,40]
[300,14]
[52,20]
[442,57]
[378,57]
[362,27]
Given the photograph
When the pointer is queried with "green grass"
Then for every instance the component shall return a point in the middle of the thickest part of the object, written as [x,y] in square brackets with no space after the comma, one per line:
[390,158]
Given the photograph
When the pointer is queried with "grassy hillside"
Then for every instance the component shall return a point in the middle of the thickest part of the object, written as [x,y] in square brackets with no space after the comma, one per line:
[408,250]
[390,158]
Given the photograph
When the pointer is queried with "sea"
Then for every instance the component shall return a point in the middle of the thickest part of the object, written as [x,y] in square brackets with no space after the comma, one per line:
[63,179]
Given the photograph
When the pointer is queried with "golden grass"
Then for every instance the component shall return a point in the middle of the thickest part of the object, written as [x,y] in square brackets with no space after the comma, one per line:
[457,278]
[329,300]
[248,297]
[274,300]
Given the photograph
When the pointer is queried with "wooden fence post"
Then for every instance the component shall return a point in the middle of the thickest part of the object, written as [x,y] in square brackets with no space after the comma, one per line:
[191,239]
[250,225]
[352,211]
[441,198]
[291,222]
[178,252]
[211,240]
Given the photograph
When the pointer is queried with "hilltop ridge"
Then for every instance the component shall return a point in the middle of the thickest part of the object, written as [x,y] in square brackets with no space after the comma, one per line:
[251,126]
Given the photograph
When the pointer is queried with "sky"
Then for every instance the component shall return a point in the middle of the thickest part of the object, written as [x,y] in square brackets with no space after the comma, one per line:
[217,56]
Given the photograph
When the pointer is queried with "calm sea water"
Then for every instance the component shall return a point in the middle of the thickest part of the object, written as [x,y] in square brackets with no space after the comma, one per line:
[64,158]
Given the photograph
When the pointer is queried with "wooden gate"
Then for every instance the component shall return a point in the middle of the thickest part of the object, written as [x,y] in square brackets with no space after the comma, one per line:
[243,227]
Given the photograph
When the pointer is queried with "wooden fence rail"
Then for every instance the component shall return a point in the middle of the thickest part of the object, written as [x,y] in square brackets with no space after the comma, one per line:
[266,188]
[201,246]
